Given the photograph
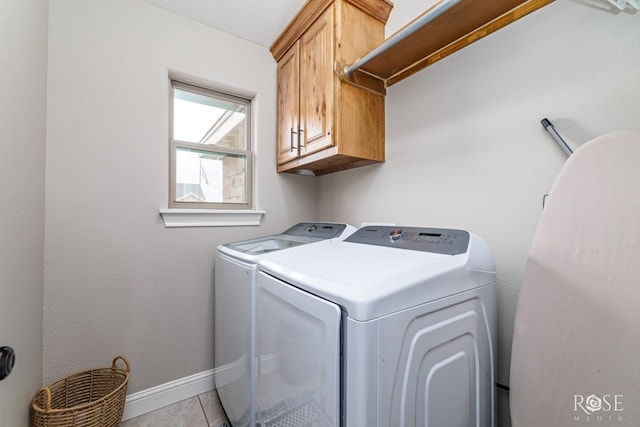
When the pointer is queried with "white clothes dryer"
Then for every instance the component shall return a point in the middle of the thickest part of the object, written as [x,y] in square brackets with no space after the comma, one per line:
[392,327]
[234,289]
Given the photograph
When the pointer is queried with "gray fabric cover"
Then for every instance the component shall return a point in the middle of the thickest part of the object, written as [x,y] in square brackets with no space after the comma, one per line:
[577,327]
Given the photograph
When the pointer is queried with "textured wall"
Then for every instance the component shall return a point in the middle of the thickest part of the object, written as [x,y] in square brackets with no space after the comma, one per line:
[116,280]
[23,68]
[465,147]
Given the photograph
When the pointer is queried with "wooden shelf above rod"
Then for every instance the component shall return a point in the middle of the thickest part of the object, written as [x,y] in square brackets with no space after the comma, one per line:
[448,26]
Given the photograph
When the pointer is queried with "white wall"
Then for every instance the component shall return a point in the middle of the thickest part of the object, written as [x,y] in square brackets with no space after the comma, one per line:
[23,68]
[465,148]
[116,280]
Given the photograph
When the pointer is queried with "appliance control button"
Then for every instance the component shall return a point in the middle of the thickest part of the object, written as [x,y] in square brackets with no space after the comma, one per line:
[395,234]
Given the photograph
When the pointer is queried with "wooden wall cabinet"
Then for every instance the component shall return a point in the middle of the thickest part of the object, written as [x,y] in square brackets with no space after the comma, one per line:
[324,123]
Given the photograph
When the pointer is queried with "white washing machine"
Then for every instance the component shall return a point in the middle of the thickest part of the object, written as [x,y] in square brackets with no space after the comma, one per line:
[391,327]
[235,270]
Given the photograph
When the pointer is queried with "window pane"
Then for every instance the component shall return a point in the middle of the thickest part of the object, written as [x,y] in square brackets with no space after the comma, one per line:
[202,119]
[209,177]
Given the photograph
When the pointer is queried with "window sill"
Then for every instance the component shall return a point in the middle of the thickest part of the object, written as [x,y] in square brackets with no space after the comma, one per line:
[210,217]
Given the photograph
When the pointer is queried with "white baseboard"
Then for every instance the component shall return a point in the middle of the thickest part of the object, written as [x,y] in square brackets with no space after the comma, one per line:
[270,363]
[166,394]
[162,395]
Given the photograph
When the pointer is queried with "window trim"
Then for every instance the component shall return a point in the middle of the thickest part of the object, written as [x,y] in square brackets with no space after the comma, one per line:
[188,85]
[210,217]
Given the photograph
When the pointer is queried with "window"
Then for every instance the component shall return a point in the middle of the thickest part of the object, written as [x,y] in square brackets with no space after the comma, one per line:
[210,149]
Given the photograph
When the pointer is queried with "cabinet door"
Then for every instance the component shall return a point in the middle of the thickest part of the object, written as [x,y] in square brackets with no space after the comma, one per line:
[316,84]
[289,104]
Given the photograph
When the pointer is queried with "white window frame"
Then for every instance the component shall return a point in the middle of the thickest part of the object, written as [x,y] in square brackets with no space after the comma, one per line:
[189,207]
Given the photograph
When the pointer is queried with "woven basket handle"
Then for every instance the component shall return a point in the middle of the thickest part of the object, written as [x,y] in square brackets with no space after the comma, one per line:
[124,359]
[47,392]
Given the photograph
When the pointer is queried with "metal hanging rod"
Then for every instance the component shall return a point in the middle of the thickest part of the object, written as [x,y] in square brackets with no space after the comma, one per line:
[401,35]
[549,127]
[621,4]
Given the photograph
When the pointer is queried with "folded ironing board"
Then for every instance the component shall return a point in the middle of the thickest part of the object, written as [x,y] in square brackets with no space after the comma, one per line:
[576,344]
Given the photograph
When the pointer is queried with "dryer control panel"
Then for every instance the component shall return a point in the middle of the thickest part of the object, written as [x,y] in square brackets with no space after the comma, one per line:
[436,240]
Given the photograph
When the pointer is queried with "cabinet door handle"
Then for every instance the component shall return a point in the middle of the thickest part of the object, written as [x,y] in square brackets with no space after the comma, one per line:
[300,137]
[293,148]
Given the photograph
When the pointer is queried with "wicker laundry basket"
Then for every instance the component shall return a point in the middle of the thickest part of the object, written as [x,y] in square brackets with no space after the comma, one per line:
[93,398]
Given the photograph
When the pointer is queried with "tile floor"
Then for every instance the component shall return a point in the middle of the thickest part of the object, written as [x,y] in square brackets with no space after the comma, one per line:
[204,410]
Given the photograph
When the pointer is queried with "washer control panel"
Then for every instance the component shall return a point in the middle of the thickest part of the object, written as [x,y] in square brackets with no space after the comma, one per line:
[322,230]
[436,240]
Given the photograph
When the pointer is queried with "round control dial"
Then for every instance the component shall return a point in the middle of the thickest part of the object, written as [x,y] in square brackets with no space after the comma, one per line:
[395,234]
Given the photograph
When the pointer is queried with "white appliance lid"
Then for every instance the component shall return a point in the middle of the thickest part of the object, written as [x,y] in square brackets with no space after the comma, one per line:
[299,234]
[371,280]
[268,244]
